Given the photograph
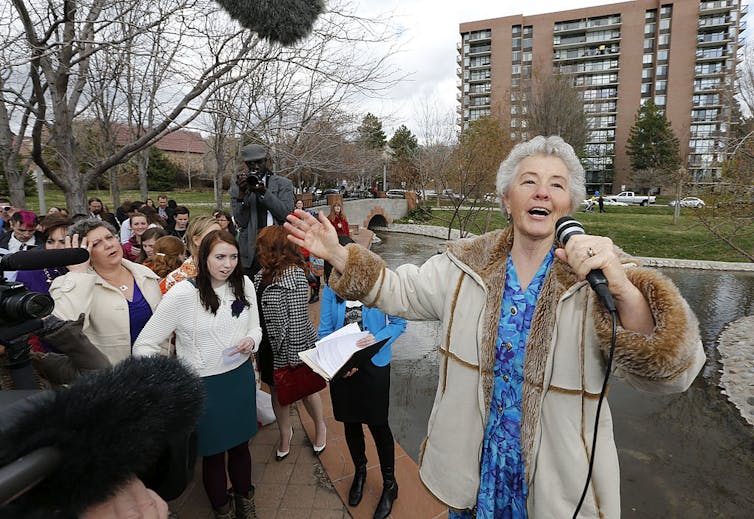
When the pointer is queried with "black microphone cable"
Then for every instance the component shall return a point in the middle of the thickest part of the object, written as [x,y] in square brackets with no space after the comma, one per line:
[614,316]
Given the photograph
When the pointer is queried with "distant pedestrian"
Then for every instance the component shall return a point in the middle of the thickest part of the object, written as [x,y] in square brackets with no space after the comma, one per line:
[601,203]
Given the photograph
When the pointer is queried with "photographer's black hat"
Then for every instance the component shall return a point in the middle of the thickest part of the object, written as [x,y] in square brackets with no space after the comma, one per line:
[253,153]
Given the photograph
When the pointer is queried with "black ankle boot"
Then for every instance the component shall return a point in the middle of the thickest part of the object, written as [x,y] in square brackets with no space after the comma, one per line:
[357,487]
[389,494]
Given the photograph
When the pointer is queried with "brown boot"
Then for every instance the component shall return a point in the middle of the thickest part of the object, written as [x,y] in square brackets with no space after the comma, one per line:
[245,507]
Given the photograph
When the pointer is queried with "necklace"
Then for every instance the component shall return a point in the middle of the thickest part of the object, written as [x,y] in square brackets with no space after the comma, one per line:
[123,287]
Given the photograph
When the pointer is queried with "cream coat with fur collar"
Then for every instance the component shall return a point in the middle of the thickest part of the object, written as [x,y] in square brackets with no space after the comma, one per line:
[563,369]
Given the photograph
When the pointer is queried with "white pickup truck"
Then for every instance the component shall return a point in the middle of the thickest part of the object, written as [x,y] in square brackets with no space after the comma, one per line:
[629,197]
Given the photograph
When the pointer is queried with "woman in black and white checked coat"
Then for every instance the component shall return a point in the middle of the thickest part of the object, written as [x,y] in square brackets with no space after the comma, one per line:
[283,293]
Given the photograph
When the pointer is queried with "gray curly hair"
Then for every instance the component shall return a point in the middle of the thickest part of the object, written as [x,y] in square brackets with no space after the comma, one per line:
[87,225]
[552,145]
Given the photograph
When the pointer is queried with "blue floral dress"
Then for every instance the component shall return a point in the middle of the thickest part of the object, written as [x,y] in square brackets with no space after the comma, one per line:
[502,492]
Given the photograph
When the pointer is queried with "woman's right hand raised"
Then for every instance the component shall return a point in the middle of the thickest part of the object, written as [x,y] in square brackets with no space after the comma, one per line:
[318,236]
[73,242]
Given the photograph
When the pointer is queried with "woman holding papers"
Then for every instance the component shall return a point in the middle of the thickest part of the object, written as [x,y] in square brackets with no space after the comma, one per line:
[216,325]
[362,396]
[283,292]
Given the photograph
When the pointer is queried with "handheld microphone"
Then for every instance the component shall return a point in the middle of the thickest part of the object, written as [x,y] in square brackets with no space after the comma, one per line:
[36,259]
[133,419]
[566,227]
[278,21]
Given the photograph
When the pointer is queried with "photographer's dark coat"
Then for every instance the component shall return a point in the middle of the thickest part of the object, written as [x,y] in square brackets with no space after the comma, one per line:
[279,201]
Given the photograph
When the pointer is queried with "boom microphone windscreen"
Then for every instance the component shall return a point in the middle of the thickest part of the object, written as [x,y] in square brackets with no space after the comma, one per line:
[36,259]
[278,21]
[108,426]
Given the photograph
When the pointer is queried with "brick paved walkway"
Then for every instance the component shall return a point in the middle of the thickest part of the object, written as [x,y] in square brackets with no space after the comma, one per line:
[305,487]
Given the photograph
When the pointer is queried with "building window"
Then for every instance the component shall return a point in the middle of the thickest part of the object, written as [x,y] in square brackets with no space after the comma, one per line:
[647,59]
[660,100]
[664,24]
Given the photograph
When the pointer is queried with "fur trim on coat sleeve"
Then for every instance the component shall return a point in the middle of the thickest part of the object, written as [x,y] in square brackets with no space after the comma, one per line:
[673,348]
[364,269]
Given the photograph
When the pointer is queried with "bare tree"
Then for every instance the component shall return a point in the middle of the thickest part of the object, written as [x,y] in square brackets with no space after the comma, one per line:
[62,41]
[476,159]
[16,107]
[437,138]
[556,107]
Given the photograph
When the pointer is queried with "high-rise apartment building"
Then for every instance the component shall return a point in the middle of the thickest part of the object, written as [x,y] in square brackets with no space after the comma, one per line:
[681,53]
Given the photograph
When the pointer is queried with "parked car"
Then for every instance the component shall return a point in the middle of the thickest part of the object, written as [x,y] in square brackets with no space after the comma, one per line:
[689,201]
[605,201]
[630,197]
[395,193]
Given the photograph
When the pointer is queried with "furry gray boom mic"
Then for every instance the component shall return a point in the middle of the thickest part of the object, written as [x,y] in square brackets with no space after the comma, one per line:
[278,21]
[133,419]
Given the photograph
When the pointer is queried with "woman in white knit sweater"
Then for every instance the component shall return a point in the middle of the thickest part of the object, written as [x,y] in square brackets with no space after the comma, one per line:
[216,322]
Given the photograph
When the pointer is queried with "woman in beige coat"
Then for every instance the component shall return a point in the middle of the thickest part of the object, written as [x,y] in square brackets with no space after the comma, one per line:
[116,296]
[525,344]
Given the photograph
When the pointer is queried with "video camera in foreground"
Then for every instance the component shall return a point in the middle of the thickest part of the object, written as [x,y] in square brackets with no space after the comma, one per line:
[22,311]
[64,450]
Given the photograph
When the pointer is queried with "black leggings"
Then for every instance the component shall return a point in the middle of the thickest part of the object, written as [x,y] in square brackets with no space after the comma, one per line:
[239,470]
[383,440]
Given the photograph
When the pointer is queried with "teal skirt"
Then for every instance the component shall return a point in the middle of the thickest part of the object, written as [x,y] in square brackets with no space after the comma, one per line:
[230,410]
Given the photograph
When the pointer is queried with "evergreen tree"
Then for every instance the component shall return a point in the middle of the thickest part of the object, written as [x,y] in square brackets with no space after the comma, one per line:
[371,134]
[161,173]
[404,144]
[652,147]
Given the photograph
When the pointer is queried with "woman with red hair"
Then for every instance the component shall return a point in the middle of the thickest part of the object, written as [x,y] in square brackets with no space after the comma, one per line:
[283,293]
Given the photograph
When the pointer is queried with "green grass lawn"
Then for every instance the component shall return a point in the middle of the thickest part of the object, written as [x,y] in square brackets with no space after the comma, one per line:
[199,202]
[644,231]
[640,231]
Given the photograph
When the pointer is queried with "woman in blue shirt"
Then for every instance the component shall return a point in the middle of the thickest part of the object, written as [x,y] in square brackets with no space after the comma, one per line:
[362,396]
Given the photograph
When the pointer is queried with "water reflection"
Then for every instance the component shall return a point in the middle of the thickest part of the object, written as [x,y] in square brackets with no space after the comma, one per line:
[687,456]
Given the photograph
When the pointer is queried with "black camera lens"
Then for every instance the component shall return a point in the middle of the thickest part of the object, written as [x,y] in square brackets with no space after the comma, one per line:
[27,305]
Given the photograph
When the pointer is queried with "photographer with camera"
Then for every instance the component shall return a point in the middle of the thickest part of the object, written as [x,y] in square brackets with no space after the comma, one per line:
[258,199]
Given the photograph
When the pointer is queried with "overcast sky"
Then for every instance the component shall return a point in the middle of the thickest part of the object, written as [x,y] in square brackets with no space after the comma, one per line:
[429,48]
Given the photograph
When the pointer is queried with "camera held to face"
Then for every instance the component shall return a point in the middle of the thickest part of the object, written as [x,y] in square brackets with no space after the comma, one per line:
[254,181]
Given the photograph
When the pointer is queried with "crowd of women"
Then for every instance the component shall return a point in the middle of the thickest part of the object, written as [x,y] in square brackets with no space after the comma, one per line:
[525,349]
[188,297]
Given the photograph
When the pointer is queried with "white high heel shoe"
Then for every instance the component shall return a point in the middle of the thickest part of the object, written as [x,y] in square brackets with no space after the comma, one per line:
[318,450]
[280,456]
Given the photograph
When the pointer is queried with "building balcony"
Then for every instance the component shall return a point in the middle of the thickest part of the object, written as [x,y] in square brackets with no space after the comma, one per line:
[702,75]
[459,72]
[714,23]
[480,50]
[565,28]
[716,7]
[478,67]
[480,37]
[702,42]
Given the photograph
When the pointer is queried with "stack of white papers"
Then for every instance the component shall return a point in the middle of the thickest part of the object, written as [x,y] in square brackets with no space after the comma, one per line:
[332,352]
